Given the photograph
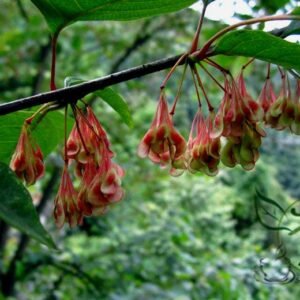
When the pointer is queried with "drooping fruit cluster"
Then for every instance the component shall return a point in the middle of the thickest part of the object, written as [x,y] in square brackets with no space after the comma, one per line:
[203,150]
[238,120]
[232,134]
[27,161]
[88,149]
[282,112]
[162,143]
[100,177]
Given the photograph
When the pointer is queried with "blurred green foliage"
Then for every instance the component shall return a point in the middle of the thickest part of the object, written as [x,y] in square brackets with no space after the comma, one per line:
[185,238]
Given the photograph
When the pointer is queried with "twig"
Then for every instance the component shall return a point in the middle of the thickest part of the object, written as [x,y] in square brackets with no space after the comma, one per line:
[73,93]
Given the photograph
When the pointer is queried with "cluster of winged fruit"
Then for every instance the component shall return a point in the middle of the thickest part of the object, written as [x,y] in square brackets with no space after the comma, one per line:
[232,134]
[88,149]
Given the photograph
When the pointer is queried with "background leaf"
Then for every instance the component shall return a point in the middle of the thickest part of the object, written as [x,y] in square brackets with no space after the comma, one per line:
[261,45]
[272,5]
[16,208]
[59,14]
[48,134]
[296,11]
[117,102]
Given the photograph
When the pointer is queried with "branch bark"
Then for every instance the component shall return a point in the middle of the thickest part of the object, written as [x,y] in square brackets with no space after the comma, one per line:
[76,92]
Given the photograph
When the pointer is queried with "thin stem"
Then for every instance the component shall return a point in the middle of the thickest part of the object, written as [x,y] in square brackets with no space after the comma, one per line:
[78,128]
[283,91]
[210,107]
[196,88]
[203,51]
[53,62]
[248,63]
[66,152]
[217,66]
[195,41]
[42,109]
[84,102]
[289,92]
[282,74]
[88,124]
[212,77]
[39,115]
[178,91]
[269,71]
[181,58]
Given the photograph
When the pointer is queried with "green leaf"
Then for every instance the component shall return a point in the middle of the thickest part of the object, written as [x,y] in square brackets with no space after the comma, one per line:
[117,102]
[296,11]
[17,210]
[71,80]
[48,134]
[260,45]
[60,14]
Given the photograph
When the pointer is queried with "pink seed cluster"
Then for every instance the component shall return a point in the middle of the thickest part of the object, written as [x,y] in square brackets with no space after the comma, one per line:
[232,134]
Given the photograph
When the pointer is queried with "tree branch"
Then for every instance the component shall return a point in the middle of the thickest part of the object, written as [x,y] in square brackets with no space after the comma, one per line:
[70,94]
[73,93]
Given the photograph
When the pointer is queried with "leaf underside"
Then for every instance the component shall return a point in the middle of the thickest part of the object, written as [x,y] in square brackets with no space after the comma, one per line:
[260,45]
[117,102]
[59,14]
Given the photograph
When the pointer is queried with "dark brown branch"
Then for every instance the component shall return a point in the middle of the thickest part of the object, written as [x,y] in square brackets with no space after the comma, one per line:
[76,92]
[73,93]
